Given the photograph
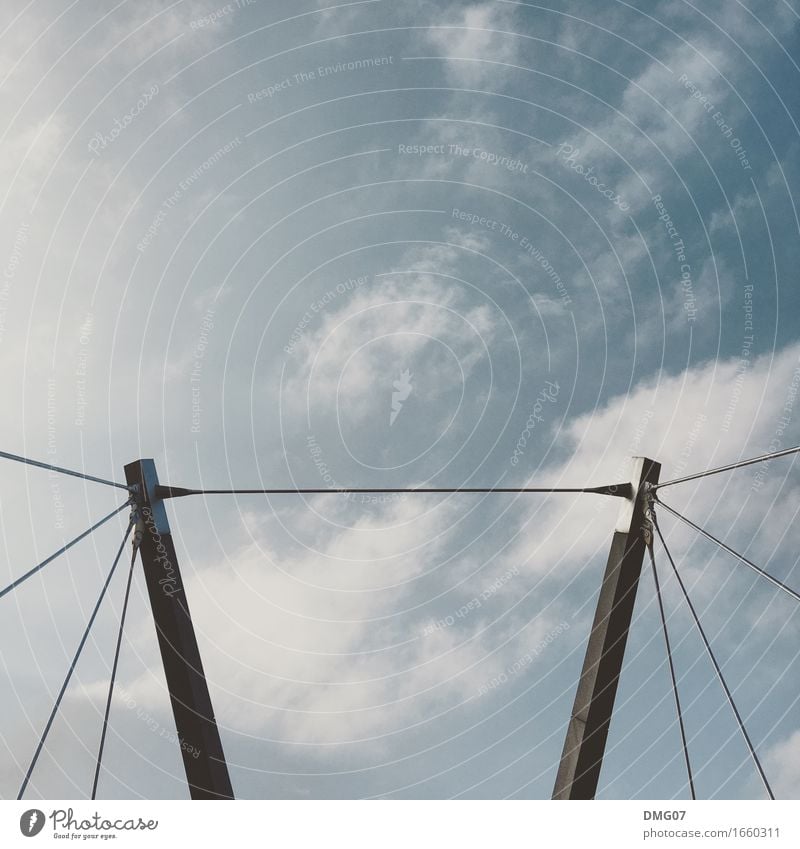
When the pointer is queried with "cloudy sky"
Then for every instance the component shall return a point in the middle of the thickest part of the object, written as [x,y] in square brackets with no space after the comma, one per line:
[400,244]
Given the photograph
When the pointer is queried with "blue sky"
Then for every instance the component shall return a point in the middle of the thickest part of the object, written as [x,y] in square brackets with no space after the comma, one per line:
[400,244]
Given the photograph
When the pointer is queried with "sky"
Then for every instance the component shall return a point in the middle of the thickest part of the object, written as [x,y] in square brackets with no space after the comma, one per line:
[407,244]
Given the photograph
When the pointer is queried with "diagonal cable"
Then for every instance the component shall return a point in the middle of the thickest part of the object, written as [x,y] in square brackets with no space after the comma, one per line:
[136,542]
[738,465]
[29,462]
[74,663]
[61,550]
[722,545]
[675,693]
[720,676]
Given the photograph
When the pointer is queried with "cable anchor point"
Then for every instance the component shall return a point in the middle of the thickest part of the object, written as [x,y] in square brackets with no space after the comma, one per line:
[138,531]
[648,495]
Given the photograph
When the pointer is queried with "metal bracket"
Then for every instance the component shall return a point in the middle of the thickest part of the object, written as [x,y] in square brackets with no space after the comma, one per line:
[648,496]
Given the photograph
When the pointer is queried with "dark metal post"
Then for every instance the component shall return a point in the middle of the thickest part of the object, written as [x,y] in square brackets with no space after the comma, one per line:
[585,743]
[201,747]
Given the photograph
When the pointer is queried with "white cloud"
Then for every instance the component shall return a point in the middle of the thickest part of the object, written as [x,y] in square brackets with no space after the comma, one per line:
[474,32]
[318,652]
[418,320]
[657,122]
[782,764]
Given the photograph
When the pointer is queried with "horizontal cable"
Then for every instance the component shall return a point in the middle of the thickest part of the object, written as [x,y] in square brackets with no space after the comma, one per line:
[710,652]
[74,663]
[712,538]
[620,490]
[63,549]
[52,468]
[730,466]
